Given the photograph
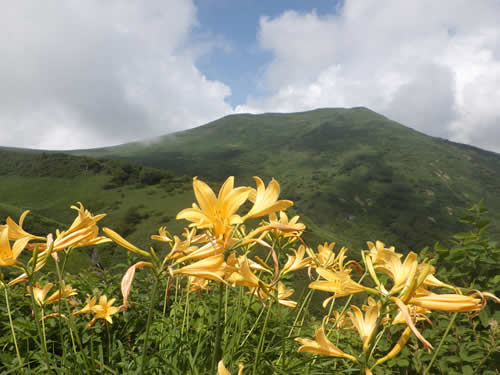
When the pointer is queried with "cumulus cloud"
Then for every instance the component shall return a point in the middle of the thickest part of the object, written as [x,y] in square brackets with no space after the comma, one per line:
[90,73]
[432,65]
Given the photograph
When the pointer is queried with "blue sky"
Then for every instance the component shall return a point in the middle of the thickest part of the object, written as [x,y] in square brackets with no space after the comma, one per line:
[236,23]
[89,73]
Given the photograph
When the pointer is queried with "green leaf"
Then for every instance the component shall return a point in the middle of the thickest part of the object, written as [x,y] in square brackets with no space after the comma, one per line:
[467,370]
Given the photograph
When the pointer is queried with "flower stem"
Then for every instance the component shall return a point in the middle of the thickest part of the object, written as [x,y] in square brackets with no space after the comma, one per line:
[12,326]
[148,325]
[71,323]
[303,306]
[440,344]
[260,345]
[218,335]
[43,344]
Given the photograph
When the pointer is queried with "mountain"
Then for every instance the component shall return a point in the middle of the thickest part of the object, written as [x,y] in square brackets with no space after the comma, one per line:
[353,174]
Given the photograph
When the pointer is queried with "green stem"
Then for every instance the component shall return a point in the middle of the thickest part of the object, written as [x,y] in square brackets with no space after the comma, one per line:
[283,341]
[12,326]
[43,327]
[218,335]
[148,325]
[253,327]
[185,317]
[71,323]
[440,344]
[37,323]
[306,302]
[164,312]
[261,340]
[226,300]
[109,343]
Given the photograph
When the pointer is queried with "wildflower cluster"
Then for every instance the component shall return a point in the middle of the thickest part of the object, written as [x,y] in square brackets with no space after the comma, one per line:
[239,242]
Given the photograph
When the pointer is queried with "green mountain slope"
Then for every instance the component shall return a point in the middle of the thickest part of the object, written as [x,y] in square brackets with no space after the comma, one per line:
[137,200]
[353,173]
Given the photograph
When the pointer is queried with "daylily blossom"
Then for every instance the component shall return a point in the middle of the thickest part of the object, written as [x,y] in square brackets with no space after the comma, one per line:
[89,307]
[297,261]
[103,310]
[84,219]
[292,223]
[115,237]
[40,293]
[365,324]
[283,294]
[322,346]
[197,284]
[447,302]
[266,199]
[16,231]
[396,348]
[211,268]
[222,370]
[8,254]
[216,213]
[162,235]
[244,275]
[326,258]
[339,283]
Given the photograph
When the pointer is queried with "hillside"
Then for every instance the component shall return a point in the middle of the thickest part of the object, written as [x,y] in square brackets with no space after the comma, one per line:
[353,173]
[137,200]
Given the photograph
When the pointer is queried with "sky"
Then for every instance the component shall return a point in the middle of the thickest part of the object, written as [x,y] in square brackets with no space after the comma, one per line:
[90,73]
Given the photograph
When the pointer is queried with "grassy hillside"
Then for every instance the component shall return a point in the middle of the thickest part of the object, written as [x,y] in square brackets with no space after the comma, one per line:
[353,173]
[137,200]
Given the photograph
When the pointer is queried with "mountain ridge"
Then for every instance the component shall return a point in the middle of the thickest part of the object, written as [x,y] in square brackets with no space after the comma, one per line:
[353,174]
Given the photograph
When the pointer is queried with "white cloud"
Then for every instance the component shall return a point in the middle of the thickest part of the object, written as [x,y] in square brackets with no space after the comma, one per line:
[90,73]
[432,65]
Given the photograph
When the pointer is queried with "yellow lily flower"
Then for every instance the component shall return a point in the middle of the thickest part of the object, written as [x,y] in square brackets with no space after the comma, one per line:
[283,294]
[197,284]
[266,199]
[447,302]
[104,309]
[16,231]
[326,258]
[297,261]
[84,219]
[322,346]
[211,268]
[292,223]
[222,370]
[397,348]
[396,270]
[215,213]
[115,237]
[40,293]
[365,325]
[87,236]
[89,307]
[209,249]
[162,235]
[375,251]
[416,312]
[244,275]
[67,291]
[339,283]
[8,255]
